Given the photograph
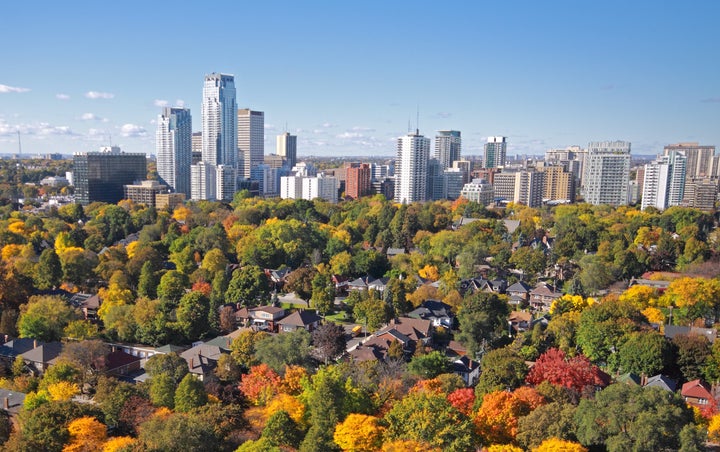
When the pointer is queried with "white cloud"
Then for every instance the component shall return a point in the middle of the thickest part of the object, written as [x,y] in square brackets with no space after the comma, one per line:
[41,129]
[180,103]
[160,103]
[327,125]
[347,135]
[133,130]
[98,95]
[62,96]
[92,117]
[269,126]
[13,89]
[363,129]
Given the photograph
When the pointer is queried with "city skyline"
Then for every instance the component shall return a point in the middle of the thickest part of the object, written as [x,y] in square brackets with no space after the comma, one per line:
[544,75]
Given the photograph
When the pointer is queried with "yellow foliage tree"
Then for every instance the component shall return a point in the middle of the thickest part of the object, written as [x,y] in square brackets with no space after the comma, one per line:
[359,433]
[714,429]
[118,443]
[10,251]
[182,214]
[86,434]
[63,391]
[131,248]
[17,227]
[286,402]
[292,380]
[503,448]
[654,315]
[429,272]
[559,445]
[570,303]
[641,296]
[112,297]
[408,445]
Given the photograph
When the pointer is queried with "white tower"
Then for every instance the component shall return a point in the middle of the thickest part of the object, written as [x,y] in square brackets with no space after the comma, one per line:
[606,173]
[448,144]
[173,147]
[287,147]
[250,138]
[411,168]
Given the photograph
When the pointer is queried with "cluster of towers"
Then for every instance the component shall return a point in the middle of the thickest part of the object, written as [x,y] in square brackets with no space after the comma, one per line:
[231,144]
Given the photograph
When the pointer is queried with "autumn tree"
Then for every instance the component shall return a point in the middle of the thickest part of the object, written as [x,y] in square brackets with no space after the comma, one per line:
[284,349]
[190,394]
[48,273]
[556,444]
[359,432]
[547,421]
[243,347]
[554,367]
[260,384]
[46,427]
[329,340]
[501,369]
[86,434]
[299,281]
[281,430]
[497,419]
[44,317]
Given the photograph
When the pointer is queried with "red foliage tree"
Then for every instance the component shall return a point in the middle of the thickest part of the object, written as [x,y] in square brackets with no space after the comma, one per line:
[555,367]
[203,287]
[260,384]
[463,399]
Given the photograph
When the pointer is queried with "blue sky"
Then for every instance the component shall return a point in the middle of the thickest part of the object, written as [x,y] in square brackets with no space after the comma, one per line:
[347,77]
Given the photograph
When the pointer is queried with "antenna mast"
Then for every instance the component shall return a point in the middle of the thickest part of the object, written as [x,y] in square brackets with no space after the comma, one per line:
[417,121]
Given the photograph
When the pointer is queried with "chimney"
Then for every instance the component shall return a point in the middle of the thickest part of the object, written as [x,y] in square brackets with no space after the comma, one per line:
[34,343]
[6,403]
[192,363]
[643,380]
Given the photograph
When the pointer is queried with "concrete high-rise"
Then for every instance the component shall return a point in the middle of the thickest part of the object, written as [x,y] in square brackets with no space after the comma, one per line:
[287,147]
[664,181]
[448,145]
[219,120]
[203,180]
[701,163]
[606,173]
[101,176]
[357,180]
[495,152]
[413,152]
[173,145]
[250,138]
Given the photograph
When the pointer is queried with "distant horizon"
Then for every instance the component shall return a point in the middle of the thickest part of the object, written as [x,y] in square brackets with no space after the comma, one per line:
[349,79]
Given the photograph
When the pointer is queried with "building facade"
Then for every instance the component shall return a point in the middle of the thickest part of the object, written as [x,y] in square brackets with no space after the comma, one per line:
[251,138]
[559,183]
[479,191]
[203,184]
[100,176]
[664,181]
[145,192]
[286,146]
[173,147]
[495,152]
[606,173]
[448,146]
[411,167]
[357,180]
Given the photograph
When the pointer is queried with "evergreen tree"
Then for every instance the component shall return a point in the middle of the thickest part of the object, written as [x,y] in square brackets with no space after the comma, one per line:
[190,394]
[48,273]
[148,281]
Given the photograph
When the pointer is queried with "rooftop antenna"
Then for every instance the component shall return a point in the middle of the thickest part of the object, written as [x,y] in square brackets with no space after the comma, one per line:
[409,126]
[417,121]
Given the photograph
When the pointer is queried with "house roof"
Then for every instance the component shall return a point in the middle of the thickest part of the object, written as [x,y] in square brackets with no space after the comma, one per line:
[520,316]
[169,348]
[661,381]
[44,353]
[201,358]
[18,346]
[431,309]
[395,334]
[519,286]
[359,283]
[15,400]
[629,378]
[300,318]
[696,388]
[545,290]
[465,364]
[119,358]
[269,309]
[368,352]
[221,341]
[85,300]
[415,329]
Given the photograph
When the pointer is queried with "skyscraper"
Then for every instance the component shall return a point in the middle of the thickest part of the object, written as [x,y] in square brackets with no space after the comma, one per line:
[495,152]
[174,148]
[413,151]
[664,181]
[606,173]
[287,147]
[219,119]
[250,138]
[448,145]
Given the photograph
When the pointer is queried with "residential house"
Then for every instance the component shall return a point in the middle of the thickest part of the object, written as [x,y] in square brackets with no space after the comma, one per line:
[519,293]
[87,303]
[357,284]
[12,401]
[12,348]
[277,277]
[697,393]
[307,320]
[542,296]
[202,359]
[119,363]
[519,321]
[379,284]
[661,381]
[409,332]
[43,356]
[439,313]
[467,369]
[630,379]
[670,331]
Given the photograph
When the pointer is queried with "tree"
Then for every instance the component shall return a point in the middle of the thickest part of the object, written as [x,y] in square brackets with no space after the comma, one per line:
[86,434]
[323,293]
[249,285]
[429,418]
[329,340]
[243,347]
[48,273]
[46,427]
[554,420]
[172,287]
[372,311]
[531,261]
[284,349]
[603,327]
[300,282]
[282,430]
[88,357]
[430,365]
[148,281]
[463,400]
[44,317]
[325,398]
[111,396]
[627,417]
[574,373]
[360,433]
[167,363]
[501,369]
[190,394]
[6,426]
[77,265]
[482,317]
[81,330]
[63,391]
[162,390]
[555,444]
[260,384]
[192,315]
[693,355]
[497,419]
[644,354]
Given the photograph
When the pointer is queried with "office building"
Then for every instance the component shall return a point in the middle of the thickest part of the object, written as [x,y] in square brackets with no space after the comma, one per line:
[100,176]
[521,187]
[448,145]
[145,192]
[287,147]
[559,183]
[606,173]
[664,181]
[357,180]
[251,138]
[453,182]
[173,146]
[495,152]
[219,120]
[701,162]
[479,191]
[435,184]
[413,152]
[196,147]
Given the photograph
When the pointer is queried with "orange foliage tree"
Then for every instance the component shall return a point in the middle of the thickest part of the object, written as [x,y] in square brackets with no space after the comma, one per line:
[359,433]
[86,434]
[559,445]
[463,400]
[497,419]
[292,380]
[260,384]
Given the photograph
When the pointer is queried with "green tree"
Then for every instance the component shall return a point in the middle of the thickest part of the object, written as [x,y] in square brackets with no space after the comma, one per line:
[243,347]
[532,261]
[249,285]
[281,430]
[172,288]
[48,273]
[626,417]
[148,281]
[190,394]
[693,355]
[502,369]
[77,265]
[644,354]
[604,327]
[111,396]
[554,420]
[300,281]
[170,364]
[192,315]
[323,293]
[371,310]
[482,317]
[429,366]
[44,317]
[284,349]
[162,390]
[429,418]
